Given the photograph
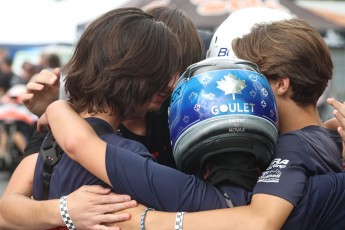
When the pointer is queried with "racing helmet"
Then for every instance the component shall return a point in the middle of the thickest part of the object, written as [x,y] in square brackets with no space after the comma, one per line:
[238,24]
[222,105]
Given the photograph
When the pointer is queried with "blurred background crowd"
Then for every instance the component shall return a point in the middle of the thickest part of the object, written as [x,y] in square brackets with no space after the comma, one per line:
[40,34]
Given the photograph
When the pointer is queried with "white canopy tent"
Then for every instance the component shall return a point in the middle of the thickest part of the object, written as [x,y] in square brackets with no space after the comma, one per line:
[48,21]
[32,27]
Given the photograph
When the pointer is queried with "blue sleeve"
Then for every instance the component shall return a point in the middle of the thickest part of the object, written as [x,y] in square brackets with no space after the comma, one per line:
[158,186]
[286,175]
[299,155]
[322,204]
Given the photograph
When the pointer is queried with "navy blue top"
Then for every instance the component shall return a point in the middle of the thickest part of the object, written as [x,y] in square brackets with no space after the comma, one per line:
[158,186]
[132,170]
[299,155]
[322,204]
[68,175]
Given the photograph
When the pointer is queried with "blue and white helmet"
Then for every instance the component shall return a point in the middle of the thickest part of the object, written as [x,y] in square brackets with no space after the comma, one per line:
[222,105]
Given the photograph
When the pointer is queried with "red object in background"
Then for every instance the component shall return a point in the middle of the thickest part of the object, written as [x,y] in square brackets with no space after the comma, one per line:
[12,108]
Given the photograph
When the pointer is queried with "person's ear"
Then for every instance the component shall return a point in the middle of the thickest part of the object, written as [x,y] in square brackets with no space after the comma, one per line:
[282,85]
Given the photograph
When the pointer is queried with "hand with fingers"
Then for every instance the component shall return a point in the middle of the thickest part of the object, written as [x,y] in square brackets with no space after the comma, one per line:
[95,207]
[339,114]
[137,219]
[42,90]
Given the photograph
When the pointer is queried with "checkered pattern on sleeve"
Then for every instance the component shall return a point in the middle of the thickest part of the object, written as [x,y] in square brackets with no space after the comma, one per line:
[64,213]
[179,220]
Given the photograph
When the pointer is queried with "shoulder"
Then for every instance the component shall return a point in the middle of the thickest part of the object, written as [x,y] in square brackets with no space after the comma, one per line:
[125,145]
[291,140]
[307,135]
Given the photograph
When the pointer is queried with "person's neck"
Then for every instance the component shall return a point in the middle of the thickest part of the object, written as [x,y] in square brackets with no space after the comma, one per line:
[293,117]
[137,126]
[114,120]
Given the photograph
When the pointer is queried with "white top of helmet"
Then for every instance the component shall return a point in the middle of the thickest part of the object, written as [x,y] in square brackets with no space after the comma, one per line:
[238,24]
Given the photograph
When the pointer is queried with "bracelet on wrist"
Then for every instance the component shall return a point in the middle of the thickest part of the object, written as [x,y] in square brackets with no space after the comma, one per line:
[64,213]
[143,215]
[179,220]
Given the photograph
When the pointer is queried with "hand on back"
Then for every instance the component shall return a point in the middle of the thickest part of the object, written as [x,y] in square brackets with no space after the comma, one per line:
[95,207]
